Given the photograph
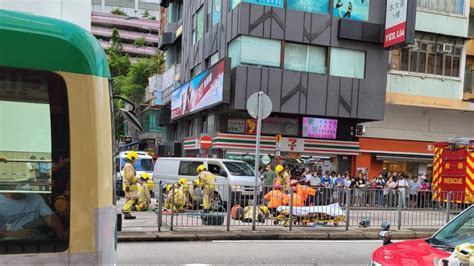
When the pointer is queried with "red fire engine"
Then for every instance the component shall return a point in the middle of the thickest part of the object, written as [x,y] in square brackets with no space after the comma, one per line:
[453,170]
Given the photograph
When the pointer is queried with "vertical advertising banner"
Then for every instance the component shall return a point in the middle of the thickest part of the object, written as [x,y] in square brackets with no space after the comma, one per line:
[352,9]
[395,23]
[203,91]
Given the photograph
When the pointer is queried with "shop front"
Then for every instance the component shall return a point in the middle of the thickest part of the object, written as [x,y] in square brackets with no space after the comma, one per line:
[385,155]
[320,155]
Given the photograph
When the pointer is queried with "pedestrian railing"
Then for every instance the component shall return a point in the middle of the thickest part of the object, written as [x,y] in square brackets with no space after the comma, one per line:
[234,207]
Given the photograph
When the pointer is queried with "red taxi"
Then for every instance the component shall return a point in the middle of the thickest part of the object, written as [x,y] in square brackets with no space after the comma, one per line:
[429,251]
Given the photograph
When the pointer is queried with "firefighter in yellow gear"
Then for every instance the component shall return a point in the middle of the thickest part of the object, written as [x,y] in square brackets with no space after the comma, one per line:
[130,184]
[144,196]
[178,194]
[282,178]
[169,196]
[248,213]
[208,183]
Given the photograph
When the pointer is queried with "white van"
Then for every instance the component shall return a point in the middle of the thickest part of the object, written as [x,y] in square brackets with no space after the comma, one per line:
[144,164]
[238,174]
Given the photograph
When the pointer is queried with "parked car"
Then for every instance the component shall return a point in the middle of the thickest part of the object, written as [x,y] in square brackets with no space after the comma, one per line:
[238,174]
[144,164]
[429,251]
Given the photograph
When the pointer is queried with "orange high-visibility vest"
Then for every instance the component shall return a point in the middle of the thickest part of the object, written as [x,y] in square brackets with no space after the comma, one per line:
[305,191]
[275,198]
[298,200]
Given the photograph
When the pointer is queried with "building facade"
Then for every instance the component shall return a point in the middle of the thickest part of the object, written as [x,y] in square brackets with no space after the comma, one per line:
[429,93]
[138,26]
[322,64]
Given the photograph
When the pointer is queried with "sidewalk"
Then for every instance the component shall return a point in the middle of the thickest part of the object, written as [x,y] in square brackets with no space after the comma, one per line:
[270,234]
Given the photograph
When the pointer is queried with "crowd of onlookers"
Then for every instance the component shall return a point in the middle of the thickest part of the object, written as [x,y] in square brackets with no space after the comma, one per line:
[388,189]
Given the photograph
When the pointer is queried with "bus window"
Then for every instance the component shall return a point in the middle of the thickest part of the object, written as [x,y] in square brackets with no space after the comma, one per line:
[34,162]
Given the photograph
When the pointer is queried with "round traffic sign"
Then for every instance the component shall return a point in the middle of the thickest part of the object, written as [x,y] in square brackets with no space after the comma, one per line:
[206,142]
[265,101]
[266,159]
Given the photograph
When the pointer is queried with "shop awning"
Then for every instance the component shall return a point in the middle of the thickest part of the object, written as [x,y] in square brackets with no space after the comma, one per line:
[405,158]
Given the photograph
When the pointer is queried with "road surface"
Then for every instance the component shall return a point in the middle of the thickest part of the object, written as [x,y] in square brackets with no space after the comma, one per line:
[248,252]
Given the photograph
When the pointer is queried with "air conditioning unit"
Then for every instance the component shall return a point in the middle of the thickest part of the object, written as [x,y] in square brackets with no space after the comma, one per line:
[445,48]
[416,44]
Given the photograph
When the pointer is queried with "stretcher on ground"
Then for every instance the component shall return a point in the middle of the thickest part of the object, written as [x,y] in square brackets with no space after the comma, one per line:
[311,215]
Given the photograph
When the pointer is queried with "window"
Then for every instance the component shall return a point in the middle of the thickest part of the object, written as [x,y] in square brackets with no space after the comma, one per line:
[255,51]
[210,123]
[273,3]
[442,6]
[320,6]
[175,11]
[209,15]
[34,144]
[204,124]
[214,169]
[141,164]
[196,70]
[442,59]
[239,169]
[347,63]
[198,25]
[150,121]
[190,128]
[189,168]
[305,58]
[214,8]
[214,59]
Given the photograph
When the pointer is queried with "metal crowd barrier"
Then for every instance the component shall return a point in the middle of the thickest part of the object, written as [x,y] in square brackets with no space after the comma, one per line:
[232,207]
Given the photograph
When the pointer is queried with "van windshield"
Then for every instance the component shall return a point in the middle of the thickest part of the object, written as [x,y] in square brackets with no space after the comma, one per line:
[140,165]
[239,169]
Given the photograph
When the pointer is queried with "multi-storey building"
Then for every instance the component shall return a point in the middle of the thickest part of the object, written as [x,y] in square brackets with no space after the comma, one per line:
[427,97]
[132,26]
[323,67]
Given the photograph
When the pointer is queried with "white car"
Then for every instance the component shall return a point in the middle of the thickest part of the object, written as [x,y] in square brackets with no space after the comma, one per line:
[238,174]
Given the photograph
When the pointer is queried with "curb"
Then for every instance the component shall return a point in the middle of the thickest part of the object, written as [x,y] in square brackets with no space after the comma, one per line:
[262,235]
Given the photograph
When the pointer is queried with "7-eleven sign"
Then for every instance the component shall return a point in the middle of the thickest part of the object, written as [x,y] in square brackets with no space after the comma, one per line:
[292,145]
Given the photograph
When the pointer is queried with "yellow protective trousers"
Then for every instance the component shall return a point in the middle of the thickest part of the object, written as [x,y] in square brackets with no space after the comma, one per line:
[129,205]
[207,195]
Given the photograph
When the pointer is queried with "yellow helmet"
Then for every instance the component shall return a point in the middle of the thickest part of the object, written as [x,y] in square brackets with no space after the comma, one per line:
[132,155]
[279,168]
[150,184]
[168,187]
[145,176]
[182,181]
[264,209]
[201,168]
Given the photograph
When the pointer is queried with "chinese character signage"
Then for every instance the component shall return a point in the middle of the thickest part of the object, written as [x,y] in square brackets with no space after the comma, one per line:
[398,22]
[203,91]
[352,9]
[319,128]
